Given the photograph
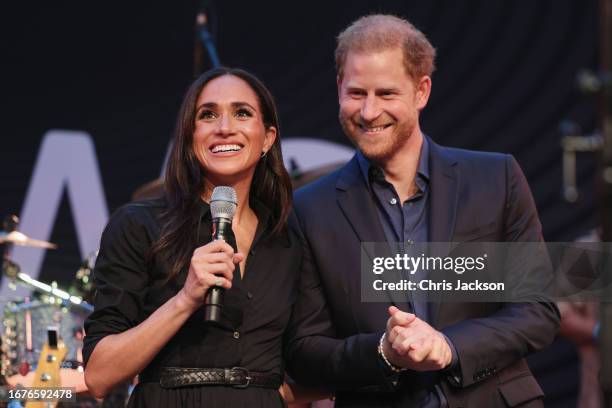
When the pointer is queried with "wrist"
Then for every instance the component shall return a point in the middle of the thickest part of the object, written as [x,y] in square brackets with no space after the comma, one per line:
[184,303]
[383,356]
[452,357]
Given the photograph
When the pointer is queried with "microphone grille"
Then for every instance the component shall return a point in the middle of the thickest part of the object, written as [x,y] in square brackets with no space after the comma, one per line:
[223,202]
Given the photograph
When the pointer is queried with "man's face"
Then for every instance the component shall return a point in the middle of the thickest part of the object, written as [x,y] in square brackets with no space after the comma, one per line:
[380,103]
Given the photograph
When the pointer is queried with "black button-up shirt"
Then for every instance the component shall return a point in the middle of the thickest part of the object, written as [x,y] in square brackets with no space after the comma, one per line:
[256,309]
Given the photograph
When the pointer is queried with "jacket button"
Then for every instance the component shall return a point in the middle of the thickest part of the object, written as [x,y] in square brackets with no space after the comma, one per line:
[236,335]
[249,295]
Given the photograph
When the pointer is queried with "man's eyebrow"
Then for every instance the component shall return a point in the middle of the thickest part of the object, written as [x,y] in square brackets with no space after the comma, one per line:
[387,90]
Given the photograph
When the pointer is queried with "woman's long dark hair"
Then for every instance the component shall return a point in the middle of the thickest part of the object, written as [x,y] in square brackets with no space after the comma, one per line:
[184,177]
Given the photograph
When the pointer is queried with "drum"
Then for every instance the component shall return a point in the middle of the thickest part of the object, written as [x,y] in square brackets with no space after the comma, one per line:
[25,333]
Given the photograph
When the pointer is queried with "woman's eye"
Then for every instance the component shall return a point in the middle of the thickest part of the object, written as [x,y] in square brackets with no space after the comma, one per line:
[207,115]
[244,113]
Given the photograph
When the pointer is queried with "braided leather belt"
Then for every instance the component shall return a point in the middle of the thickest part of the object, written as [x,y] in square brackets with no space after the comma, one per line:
[238,377]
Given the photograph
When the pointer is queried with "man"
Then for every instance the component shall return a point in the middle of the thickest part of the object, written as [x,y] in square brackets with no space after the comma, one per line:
[402,187]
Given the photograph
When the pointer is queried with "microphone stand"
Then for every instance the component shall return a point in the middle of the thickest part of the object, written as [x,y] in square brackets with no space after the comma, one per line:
[204,39]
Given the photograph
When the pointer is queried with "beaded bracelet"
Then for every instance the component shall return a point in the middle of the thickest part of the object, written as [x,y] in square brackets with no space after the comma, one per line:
[393,367]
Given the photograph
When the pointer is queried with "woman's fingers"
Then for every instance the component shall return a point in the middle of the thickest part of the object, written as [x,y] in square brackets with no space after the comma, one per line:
[216,246]
[238,257]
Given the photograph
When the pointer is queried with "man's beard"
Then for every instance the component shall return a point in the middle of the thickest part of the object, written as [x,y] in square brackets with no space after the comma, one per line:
[378,148]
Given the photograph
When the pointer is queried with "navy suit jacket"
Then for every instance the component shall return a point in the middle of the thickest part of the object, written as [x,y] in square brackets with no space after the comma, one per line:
[475,196]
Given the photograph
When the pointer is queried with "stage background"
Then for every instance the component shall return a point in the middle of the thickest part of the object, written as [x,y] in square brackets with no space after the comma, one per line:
[117,71]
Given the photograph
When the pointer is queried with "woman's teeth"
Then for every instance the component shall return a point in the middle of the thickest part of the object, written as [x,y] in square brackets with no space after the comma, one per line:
[226,148]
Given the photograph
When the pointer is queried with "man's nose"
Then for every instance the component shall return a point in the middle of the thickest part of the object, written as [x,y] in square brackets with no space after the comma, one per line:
[370,109]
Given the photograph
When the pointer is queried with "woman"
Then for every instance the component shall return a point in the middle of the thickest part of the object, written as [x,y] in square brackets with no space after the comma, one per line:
[157,262]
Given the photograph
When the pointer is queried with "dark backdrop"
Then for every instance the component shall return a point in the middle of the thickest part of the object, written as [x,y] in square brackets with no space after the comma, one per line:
[505,79]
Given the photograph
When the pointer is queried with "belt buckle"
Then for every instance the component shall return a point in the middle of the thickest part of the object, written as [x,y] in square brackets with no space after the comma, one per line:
[246,377]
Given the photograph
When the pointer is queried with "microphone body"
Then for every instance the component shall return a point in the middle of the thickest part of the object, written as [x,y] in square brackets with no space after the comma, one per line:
[214,297]
[222,206]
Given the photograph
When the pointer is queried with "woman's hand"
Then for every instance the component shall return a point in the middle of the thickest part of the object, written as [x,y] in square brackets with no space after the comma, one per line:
[297,396]
[211,265]
[119,357]
[285,391]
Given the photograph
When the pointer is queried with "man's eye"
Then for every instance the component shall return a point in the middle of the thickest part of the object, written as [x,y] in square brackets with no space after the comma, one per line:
[207,115]
[244,113]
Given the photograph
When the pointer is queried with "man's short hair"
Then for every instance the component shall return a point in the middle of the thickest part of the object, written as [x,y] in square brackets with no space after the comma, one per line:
[381,32]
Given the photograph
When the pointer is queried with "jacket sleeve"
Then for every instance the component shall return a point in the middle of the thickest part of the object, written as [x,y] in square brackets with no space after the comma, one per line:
[314,355]
[489,344]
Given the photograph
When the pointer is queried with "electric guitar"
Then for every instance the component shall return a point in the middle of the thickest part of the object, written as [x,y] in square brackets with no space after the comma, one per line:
[48,370]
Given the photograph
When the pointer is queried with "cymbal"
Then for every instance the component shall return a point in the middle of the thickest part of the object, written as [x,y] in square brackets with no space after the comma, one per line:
[21,239]
[300,179]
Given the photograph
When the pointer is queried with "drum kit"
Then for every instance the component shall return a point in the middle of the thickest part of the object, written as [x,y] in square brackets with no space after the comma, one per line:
[49,317]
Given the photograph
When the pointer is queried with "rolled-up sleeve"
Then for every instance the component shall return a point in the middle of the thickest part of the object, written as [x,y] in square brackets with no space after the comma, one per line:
[120,276]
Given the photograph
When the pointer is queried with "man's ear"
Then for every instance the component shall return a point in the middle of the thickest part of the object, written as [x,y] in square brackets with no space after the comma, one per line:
[423,90]
[339,85]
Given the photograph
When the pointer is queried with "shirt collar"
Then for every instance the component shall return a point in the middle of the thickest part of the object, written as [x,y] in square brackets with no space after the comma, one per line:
[262,212]
[369,170]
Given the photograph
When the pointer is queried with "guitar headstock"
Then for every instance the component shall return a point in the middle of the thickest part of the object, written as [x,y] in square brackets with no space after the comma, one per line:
[48,370]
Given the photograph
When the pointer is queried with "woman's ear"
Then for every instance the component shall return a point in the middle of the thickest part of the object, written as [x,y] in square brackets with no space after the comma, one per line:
[270,139]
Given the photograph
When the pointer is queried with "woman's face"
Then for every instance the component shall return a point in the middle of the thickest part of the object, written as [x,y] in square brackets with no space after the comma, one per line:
[229,134]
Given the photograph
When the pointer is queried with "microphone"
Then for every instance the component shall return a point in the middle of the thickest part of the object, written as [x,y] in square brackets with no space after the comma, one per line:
[223,205]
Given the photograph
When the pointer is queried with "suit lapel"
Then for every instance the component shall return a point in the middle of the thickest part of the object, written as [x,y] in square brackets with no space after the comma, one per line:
[359,208]
[357,205]
[443,202]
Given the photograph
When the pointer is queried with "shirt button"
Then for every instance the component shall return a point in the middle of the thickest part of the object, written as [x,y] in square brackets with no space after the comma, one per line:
[236,335]
[393,201]
[249,295]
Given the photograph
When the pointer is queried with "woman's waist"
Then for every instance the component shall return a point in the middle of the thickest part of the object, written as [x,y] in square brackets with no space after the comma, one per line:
[236,377]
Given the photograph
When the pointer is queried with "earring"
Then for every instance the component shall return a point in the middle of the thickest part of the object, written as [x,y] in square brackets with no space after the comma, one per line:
[263,154]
